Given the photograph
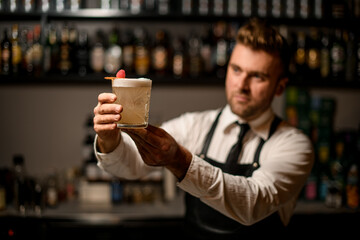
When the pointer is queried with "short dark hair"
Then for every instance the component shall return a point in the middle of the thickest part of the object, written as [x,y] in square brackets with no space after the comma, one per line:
[258,34]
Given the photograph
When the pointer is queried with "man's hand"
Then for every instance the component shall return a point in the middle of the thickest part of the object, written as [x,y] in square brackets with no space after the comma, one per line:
[158,148]
[107,113]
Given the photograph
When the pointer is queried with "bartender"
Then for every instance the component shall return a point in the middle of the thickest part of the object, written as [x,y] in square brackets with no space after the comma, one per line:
[241,166]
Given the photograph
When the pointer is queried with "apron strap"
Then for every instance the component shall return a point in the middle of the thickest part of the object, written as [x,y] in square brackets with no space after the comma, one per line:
[209,136]
[275,123]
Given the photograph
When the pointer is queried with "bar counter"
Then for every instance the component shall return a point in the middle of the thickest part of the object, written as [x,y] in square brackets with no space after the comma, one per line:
[160,220]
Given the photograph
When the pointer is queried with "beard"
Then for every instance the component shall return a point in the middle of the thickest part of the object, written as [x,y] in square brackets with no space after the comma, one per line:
[247,110]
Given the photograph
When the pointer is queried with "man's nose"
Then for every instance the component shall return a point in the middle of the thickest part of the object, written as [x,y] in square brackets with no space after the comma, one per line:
[243,81]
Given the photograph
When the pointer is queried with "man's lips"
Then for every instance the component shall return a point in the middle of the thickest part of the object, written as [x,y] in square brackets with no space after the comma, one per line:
[241,98]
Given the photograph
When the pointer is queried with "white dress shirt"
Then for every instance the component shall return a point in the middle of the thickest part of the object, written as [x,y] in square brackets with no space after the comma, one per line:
[285,162]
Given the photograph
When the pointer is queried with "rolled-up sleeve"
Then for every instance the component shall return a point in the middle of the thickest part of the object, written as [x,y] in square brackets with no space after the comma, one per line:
[125,161]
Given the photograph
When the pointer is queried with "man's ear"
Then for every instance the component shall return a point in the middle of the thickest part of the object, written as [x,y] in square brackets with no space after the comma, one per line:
[280,88]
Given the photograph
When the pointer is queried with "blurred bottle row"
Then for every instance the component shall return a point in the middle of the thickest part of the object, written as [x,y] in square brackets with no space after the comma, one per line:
[246,8]
[69,50]
[87,183]
[318,53]
[21,191]
[326,54]
[335,177]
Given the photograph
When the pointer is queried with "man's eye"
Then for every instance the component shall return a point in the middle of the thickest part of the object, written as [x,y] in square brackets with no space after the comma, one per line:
[236,70]
[257,77]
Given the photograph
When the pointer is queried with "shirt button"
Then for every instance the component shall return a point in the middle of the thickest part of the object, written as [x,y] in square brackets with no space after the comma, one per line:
[255,164]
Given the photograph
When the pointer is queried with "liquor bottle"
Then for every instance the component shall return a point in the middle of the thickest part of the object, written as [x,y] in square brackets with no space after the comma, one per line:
[204,6]
[105,4]
[113,55]
[142,54]
[338,8]
[14,5]
[47,51]
[60,5]
[160,53]
[325,55]
[29,5]
[135,6]
[218,7]
[207,50]
[336,186]
[357,75]
[232,7]
[337,56]
[128,51]
[163,6]
[2,192]
[319,9]
[124,4]
[276,8]
[73,40]
[195,63]
[6,55]
[28,53]
[44,5]
[82,54]
[37,52]
[290,8]
[350,62]
[16,49]
[51,51]
[55,49]
[313,55]
[352,187]
[116,191]
[97,54]
[91,170]
[231,31]
[246,8]
[37,201]
[52,192]
[304,9]
[20,183]
[356,8]
[187,7]
[75,5]
[178,61]
[221,49]
[64,60]
[300,54]
[262,7]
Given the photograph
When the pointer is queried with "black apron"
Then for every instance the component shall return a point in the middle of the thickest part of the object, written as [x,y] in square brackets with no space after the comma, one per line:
[204,222]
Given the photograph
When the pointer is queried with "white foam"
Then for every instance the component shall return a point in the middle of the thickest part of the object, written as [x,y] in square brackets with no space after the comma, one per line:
[131,82]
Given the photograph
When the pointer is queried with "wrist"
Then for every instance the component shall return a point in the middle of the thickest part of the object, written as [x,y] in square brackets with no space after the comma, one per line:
[181,163]
[107,146]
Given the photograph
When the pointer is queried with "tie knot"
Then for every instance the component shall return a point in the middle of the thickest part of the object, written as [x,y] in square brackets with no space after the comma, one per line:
[244,127]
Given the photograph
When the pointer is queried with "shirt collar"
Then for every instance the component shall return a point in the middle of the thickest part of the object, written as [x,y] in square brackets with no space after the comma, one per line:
[260,126]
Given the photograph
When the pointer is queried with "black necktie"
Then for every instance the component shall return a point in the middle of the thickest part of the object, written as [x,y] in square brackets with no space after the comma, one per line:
[234,153]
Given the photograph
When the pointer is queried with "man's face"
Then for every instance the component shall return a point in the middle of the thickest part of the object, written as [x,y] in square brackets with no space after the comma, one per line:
[252,81]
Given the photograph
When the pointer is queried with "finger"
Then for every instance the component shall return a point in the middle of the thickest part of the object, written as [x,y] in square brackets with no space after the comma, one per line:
[106,98]
[148,153]
[108,108]
[153,140]
[103,129]
[156,130]
[107,119]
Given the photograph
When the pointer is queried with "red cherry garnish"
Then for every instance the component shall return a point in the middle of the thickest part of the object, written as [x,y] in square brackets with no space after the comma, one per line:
[120,73]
